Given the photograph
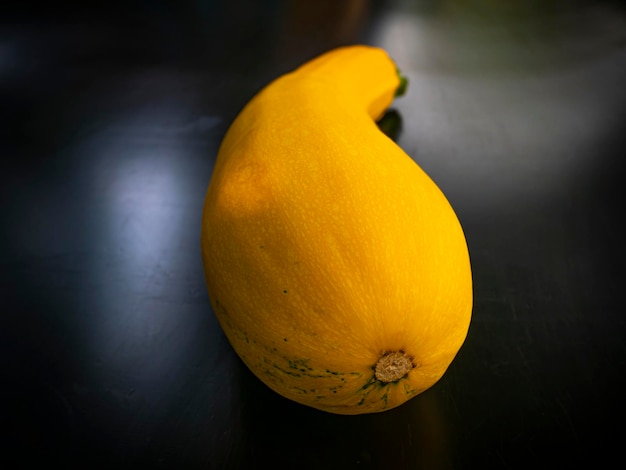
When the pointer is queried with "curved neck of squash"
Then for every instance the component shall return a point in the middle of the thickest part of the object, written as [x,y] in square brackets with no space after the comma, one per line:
[363,76]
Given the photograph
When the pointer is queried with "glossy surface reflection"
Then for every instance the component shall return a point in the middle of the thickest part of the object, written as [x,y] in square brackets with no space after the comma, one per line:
[111,121]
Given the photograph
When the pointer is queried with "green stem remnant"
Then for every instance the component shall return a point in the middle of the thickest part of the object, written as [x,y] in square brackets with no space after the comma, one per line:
[404,84]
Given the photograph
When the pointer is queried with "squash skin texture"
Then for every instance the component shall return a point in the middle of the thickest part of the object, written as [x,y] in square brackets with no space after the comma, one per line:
[325,246]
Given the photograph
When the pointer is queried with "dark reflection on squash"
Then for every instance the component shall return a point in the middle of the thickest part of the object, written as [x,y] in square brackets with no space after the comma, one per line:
[391,124]
[415,435]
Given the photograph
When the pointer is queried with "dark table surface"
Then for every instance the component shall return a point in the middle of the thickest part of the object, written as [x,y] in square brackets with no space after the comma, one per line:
[111,120]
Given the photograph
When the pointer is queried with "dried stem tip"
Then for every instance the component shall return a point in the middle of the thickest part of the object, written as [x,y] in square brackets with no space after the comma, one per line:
[393,366]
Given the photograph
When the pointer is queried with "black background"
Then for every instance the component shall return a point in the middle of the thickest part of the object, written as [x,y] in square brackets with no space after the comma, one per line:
[111,117]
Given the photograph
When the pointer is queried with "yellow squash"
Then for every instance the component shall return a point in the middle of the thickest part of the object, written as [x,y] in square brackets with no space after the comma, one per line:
[336,267]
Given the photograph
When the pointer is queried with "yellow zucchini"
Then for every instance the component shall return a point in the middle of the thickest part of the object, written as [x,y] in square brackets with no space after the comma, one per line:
[336,267]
